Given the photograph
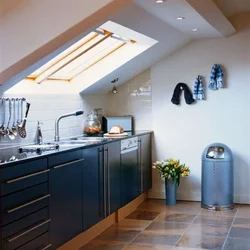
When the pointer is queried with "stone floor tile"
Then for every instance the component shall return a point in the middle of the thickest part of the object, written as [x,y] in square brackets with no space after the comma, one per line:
[227,213]
[113,233]
[176,217]
[182,210]
[189,203]
[153,205]
[104,245]
[167,228]
[201,241]
[214,220]
[131,224]
[134,246]
[236,244]
[143,215]
[186,248]
[156,239]
[241,222]
[207,230]
[240,233]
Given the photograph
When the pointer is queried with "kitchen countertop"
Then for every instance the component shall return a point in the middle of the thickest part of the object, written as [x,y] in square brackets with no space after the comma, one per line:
[10,156]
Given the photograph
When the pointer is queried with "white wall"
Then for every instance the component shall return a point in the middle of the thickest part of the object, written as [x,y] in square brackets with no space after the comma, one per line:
[134,98]
[47,108]
[184,131]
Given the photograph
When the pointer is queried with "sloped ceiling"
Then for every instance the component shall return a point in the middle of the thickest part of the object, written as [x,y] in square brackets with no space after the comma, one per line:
[233,7]
[154,20]
[141,21]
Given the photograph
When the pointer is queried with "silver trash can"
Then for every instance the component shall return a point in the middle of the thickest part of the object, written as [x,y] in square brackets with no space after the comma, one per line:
[217,177]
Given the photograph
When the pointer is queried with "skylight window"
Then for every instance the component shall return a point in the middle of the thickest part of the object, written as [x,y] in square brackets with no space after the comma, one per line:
[89,63]
[81,56]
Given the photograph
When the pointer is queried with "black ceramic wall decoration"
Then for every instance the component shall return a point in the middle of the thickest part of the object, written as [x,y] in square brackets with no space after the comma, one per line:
[187,94]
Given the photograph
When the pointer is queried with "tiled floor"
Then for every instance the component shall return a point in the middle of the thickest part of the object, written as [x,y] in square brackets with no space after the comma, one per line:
[185,226]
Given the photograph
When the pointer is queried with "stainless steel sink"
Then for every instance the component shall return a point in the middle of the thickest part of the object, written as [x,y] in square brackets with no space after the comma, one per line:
[71,143]
[81,141]
[88,140]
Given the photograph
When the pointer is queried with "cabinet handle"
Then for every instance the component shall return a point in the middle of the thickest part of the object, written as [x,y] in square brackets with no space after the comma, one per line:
[50,245]
[27,176]
[104,188]
[27,204]
[66,164]
[141,167]
[28,231]
[107,164]
[100,164]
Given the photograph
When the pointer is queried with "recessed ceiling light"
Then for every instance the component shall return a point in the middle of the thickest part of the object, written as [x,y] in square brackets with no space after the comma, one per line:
[159,1]
[194,30]
[180,17]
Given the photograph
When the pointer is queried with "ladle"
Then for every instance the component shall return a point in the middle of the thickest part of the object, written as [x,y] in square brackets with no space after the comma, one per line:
[3,114]
[14,130]
[10,132]
[5,129]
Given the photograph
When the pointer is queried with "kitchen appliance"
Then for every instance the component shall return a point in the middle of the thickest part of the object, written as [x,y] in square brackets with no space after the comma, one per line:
[217,177]
[125,121]
[130,170]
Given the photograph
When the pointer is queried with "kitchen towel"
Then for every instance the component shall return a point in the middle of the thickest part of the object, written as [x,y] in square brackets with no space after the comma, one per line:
[187,94]
[198,91]
[216,77]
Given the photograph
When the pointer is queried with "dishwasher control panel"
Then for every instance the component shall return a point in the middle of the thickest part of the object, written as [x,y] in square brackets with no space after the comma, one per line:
[129,143]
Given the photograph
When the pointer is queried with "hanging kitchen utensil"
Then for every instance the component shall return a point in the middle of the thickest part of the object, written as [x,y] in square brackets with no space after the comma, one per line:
[10,132]
[18,111]
[21,128]
[14,130]
[3,115]
[21,119]
[5,128]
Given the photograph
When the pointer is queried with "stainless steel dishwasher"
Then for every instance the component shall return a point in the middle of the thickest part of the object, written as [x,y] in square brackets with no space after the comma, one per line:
[130,170]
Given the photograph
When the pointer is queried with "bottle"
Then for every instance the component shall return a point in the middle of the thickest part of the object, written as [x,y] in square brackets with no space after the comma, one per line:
[92,125]
[39,136]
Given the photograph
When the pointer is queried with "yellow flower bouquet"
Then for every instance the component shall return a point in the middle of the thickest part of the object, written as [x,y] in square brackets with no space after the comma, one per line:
[171,168]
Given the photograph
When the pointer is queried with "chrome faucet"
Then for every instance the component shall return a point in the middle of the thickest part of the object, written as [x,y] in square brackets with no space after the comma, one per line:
[76,113]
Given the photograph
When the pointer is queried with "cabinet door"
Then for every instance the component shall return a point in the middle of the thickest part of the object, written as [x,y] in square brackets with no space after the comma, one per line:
[130,176]
[93,187]
[145,162]
[112,159]
[66,202]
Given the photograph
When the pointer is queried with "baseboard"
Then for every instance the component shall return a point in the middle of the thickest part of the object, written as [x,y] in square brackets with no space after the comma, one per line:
[83,238]
[195,196]
[242,199]
[181,195]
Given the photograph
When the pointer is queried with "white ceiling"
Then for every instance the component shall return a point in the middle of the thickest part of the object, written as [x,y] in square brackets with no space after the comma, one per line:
[158,21]
[233,7]
[169,40]
[171,9]
[8,5]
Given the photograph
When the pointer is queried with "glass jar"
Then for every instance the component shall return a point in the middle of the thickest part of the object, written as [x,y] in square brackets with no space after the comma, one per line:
[92,125]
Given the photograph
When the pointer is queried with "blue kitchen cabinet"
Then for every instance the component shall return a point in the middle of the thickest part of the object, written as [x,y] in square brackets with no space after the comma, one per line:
[93,186]
[101,183]
[65,184]
[112,165]
[130,176]
[145,162]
